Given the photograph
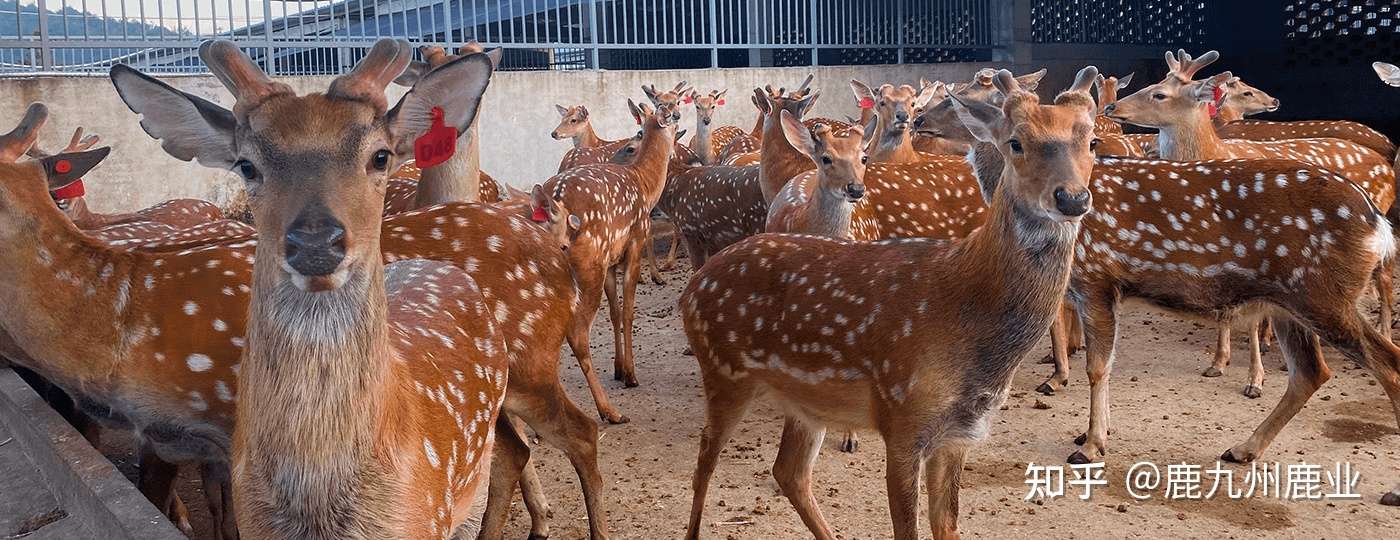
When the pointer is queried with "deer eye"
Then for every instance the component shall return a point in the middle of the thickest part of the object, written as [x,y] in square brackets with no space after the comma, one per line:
[380,161]
[1249,94]
[247,170]
[1015,146]
[826,160]
[1159,96]
[864,160]
[1094,143]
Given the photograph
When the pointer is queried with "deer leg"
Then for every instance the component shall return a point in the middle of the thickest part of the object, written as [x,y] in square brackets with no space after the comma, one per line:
[1307,370]
[1255,388]
[1385,293]
[676,237]
[1059,351]
[614,318]
[531,490]
[850,442]
[1100,317]
[218,492]
[562,425]
[941,475]
[797,453]
[1076,330]
[626,364]
[1266,334]
[726,403]
[156,480]
[508,462]
[1222,349]
[902,464]
[579,327]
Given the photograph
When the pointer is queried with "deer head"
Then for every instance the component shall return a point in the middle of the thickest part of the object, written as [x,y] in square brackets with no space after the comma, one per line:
[983,88]
[705,104]
[315,166]
[1048,149]
[1388,73]
[840,157]
[1108,87]
[25,185]
[572,122]
[1247,100]
[1176,98]
[435,57]
[895,105]
[554,216]
[670,98]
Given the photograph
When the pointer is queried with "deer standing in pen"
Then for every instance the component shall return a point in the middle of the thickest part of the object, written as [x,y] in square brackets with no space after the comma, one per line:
[708,141]
[881,350]
[894,107]
[1179,108]
[1210,238]
[1107,89]
[830,191]
[524,276]
[1243,100]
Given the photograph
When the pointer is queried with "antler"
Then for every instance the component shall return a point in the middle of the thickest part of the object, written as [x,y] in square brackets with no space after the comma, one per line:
[77,144]
[244,79]
[367,81]
[1187,68]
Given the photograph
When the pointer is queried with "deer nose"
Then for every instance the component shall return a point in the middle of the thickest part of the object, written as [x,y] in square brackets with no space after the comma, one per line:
[1275,102]
[1108,109]
[855,191]
[901,116]
[918,122]
[315,244]
[1071,204]
[554,134]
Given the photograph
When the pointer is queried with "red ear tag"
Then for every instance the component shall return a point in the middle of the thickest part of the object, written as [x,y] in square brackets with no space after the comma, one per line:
[1214,106]
[435,145]
[539,216]
[62,167]
[70,191]
[720,102]
[687,100]
[867,103]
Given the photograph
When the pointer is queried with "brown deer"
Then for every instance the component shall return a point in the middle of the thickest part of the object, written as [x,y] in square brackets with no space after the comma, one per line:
[575,124]
[708,141]
[615,202]
[1242,100]
[400,446]
[1214,243]
[893,107]
[524,276]
[1180,108]
[936,381]
[827,194]
[1107,89]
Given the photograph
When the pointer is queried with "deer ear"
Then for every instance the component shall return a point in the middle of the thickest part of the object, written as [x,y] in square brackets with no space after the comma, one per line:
[865,97]
[456,88]
[981,119]
[1125,80]
[809,101]
[1388,73]
[19,140]
[798,135]
[188,127]
[760,100]
[495,56]
[562,111]
[635,110]
[1205,91]
[538,198]
[63,169]
[1030,81]
[413,73]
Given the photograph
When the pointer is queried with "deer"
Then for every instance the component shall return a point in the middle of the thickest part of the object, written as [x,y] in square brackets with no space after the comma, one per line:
[934,402]
[1107,90]
[893,108]
[1180,108]
[1247,261]
[575,125]
[1242,100]
[708,142]
[827,194]
[616,202]
[524,276]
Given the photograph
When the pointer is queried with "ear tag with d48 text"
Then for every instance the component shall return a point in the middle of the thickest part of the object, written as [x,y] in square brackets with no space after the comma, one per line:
[436,145]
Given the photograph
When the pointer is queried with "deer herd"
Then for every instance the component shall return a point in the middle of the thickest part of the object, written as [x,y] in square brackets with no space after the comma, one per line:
[358,349]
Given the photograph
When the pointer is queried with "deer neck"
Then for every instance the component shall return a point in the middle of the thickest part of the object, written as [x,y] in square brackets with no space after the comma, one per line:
[757,131]
[1192,139]
[830,213]
[892,146]
[66,298]
[1225,115]
[653,156]
[587,138]
[456,180]
[778,160]
[700,144]
[316,392]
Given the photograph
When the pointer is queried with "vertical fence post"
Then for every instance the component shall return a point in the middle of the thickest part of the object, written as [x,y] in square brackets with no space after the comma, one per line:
[900,27]
[45,52]
[271,63]
[593,31]
[714,36]
[812,29]
[447,22]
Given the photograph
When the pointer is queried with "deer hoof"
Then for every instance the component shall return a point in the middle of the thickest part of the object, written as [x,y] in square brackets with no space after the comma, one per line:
[1047,359]
[1229,457]
[1253,392]
[1391,499]
[1078,458]
[850,445]
[1046,389]
[629,381]
[1211,372]
[616,418]
[688,351]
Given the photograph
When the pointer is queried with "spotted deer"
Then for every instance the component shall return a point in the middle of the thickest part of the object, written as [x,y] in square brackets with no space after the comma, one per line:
[828,193]
[1107,90]
[932,143]
[575,125]
[175,213]
[880,351]
[1180,109]
[708,142]
[894,108]
[523,275]
[409,367]
[614,202]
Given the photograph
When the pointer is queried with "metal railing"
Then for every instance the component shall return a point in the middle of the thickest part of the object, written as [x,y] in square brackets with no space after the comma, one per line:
[296,37]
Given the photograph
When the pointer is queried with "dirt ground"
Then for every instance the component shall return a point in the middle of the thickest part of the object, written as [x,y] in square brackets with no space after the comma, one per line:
[1163,412]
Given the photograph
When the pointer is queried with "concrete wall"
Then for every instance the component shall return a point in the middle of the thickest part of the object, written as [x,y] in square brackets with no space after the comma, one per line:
[515,120]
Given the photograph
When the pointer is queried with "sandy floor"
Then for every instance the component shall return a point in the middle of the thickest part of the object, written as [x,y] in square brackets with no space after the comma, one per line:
[1163,412]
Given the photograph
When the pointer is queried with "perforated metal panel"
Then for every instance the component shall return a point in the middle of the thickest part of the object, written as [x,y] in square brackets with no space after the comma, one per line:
[1342,32]
[1139,22]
